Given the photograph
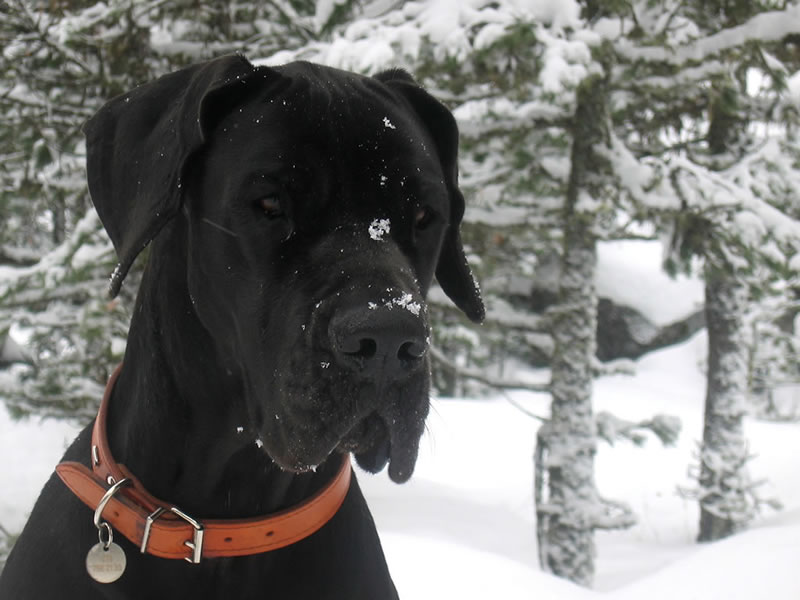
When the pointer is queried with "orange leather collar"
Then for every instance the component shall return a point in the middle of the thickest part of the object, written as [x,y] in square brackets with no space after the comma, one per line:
[161,529]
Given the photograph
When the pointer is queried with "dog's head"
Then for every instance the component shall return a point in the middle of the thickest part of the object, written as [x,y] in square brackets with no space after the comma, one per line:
[319,206]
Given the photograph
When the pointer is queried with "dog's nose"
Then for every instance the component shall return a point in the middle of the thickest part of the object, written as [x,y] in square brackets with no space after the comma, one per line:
[379,343]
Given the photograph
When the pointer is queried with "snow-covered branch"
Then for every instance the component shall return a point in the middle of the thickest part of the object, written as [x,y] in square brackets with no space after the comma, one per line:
[620,366]
[770,26]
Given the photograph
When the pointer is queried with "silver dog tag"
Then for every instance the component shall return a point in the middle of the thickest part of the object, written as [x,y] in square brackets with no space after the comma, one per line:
[105,563]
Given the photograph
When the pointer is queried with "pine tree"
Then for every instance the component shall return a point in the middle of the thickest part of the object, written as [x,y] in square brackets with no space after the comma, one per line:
[725,504]
[60,61]
[713,148]
[566,443]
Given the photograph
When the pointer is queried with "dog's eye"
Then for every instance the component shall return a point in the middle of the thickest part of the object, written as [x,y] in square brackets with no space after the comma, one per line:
[270,206]
[423,217]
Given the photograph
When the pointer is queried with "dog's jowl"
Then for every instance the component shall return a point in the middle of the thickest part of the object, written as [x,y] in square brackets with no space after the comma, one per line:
[296,218]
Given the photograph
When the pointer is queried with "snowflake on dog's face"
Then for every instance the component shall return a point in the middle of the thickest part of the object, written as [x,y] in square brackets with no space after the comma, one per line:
[378,228]
[405,301]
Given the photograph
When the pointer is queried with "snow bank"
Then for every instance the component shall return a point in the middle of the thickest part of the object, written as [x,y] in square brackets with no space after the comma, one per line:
[761,563]
[21,480]
[629,272]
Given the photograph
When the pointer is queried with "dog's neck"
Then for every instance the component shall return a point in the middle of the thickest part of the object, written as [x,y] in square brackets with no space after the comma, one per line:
[178,420]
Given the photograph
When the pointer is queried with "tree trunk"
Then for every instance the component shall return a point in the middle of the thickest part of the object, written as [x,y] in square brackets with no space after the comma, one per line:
[59,212]
[726,500]
[565,494]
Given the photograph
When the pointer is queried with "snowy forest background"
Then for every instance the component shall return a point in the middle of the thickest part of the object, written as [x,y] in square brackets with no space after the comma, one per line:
[583,122]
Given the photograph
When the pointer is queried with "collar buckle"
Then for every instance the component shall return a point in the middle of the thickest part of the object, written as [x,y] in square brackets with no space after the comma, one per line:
[195,544]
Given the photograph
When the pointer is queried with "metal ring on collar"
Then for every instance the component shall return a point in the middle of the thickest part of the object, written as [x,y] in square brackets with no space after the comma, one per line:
[98,512]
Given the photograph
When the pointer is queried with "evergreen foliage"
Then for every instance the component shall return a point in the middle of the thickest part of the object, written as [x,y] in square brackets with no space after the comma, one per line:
[60,61]
[733,215]
[6,543]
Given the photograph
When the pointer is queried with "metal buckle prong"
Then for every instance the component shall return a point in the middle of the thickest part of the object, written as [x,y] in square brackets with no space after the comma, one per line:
[197,542]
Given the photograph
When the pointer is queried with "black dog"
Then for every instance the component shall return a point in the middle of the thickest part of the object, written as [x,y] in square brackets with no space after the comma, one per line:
[297,216]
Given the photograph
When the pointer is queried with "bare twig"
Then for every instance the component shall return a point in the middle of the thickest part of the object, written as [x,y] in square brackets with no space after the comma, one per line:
[475,375]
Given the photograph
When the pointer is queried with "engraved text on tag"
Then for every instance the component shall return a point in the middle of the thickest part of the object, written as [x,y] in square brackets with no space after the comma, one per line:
[105,564]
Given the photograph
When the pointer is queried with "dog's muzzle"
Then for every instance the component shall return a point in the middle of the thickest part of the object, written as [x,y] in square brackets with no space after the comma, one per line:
[382,344]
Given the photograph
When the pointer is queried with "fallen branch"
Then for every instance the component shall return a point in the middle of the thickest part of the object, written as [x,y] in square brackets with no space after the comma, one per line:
[611,428]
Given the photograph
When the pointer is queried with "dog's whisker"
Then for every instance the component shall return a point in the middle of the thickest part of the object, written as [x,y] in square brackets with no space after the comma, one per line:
[220,227]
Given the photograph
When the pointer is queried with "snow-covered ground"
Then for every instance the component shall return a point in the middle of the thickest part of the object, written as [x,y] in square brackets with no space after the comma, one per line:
[463,526]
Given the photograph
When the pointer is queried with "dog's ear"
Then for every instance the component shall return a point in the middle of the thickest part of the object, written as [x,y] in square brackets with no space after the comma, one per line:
[452,271]
[137,145]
